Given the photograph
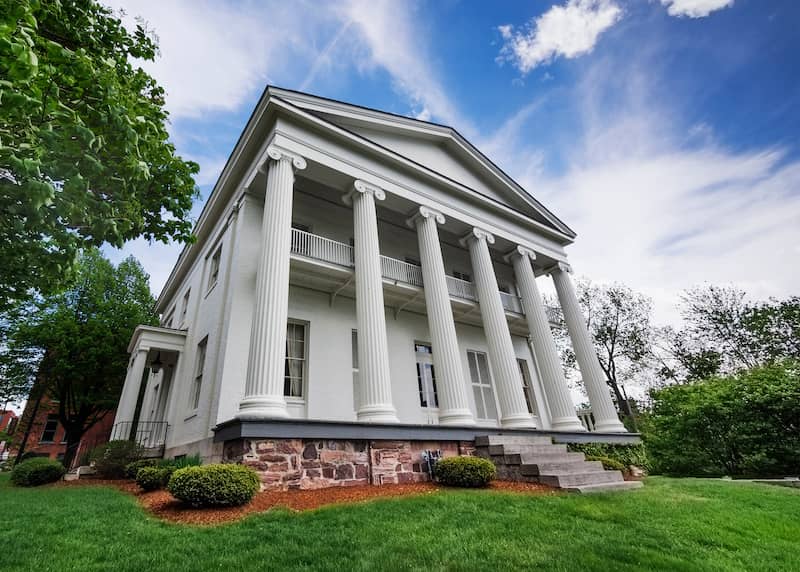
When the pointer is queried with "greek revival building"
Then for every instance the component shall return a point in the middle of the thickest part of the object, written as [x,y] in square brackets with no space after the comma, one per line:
[364,289]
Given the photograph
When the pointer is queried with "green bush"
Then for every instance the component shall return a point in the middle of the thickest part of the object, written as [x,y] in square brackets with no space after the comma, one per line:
[608,464]
[111,458]
[741,425]
[187,461]
[626,455]
[132,469]
[37,471]
[464,471]
[153,478]
[214,485]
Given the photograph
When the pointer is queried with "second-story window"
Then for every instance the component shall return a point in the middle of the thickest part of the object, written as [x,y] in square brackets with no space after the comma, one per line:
[185,307]
[213,270]
[168,320]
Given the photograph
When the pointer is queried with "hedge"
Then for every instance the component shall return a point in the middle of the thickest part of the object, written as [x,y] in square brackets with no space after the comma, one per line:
[214,485]
[626,455]
[609,464]
[465,471]
[37,471]
[154,478]
[111,458]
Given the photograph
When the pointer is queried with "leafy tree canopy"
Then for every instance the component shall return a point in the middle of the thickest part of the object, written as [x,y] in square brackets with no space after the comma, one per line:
[75,342]
[85,157]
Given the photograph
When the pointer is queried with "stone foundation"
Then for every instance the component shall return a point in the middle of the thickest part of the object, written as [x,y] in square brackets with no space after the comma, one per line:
[319,463]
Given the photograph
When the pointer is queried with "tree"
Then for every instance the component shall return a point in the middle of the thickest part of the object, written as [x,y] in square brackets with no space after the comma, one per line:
[76,341]
[85,157]
[619,323]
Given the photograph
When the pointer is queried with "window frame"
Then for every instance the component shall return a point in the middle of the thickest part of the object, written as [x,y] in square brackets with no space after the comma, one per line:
[215,263]
[432,391]
[483,386]
[54,418]
[185,308]
[304,361]
[354,362]
[199,372]
[527,386]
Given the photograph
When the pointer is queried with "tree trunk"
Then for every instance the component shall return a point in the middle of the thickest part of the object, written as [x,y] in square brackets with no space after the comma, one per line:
[31,420]
[622,404]
[73,442]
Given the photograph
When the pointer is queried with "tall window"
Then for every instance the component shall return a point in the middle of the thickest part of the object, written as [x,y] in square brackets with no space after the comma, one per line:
[426,377]
[200,365]
[213,271]
[356,387]
[481,385]
[295,369]
[50,427]
[185,307]
[527,387]
[170,317]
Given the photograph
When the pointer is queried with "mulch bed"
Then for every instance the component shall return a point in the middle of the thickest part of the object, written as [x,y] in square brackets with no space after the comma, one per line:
[162,504]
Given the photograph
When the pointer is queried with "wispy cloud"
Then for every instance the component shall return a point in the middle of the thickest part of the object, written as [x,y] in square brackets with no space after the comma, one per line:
[568,30]
[694,8]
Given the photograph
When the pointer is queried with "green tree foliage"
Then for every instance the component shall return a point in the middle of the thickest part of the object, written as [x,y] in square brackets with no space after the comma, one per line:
[76,341]
[85,157]
[744,424]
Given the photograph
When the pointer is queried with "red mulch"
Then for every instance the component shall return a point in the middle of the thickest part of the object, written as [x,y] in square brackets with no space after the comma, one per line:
[162,504]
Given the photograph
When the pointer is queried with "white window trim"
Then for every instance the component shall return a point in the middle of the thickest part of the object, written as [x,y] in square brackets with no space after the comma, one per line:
[484,383]
[430,408]
[216,256]
[196,388]
[187,296]
[304,387]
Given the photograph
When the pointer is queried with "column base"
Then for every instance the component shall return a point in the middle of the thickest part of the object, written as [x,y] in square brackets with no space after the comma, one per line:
[456,417]
[572,424]
[261,406]
[609,426]
[382,413]
[519,421]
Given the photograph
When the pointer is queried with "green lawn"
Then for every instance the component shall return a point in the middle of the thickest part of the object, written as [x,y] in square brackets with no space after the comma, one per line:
[669,525]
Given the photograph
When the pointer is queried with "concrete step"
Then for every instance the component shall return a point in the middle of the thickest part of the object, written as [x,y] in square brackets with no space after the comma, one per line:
[486,440]
[544,449]
[606,487]
[561,468]
[581,479]
[533,459]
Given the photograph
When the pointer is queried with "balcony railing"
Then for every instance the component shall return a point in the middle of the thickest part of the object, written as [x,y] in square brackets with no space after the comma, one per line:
[147,434]
[334,252]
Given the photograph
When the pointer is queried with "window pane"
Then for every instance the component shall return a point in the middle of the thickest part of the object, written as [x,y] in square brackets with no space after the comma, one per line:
[483,368]
[479,409]
[354,346]
[473,368]
[491,411]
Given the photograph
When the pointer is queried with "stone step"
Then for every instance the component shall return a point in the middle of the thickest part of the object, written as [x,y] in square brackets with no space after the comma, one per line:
[486,440]
[561,468]
[532,459]
[581,479]
[544,449]
[606,487]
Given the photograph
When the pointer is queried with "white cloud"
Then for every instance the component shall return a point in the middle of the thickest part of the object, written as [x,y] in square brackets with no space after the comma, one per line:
[570,31]
[694,8]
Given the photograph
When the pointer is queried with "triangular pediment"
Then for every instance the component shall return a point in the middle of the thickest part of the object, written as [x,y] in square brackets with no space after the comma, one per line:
[434,147]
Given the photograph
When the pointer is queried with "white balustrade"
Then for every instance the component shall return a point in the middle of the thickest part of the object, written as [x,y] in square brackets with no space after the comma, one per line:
[511,302]
[461,288]
[321,248]
[400,271]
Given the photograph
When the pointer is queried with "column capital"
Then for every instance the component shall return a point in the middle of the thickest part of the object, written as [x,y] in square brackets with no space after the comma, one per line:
[563,267]
[424,212]
[520,251]
[277,153]
[477,234]
[363,187]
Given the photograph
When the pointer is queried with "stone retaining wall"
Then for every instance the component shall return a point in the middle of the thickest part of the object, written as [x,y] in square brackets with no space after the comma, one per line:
[319,463]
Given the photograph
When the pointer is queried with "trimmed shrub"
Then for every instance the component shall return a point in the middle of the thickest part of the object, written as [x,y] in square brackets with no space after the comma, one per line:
[132,469]
[37,471]
[626,455]
[464,471]
[608,464]
[214,485]
[154,478]
[111,458]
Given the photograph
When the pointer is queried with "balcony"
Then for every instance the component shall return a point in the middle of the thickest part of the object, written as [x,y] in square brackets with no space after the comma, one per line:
[402,280]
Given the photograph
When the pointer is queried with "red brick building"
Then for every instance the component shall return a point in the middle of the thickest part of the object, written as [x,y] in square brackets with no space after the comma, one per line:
[47,438]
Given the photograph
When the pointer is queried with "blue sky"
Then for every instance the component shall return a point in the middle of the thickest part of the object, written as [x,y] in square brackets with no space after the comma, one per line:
[664,132]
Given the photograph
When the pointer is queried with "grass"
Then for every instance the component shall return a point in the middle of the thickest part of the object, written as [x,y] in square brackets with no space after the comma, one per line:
[669,525]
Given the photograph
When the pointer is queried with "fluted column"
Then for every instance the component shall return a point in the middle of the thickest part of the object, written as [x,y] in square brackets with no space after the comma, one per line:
[263,395]
[126,409]
[605,415]
[503,361]
[562,410]
[450,386]
[373,350]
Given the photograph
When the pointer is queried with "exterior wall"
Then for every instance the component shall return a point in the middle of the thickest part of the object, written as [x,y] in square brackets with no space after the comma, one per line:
[314,464]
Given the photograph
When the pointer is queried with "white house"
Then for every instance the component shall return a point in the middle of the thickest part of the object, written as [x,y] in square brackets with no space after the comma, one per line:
[363,288]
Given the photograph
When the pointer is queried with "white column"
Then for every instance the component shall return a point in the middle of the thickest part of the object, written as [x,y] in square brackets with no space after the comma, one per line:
[562,410]
[503,361]
[450,386]
[605,415]
[373,350]
[126,409]
[263,395]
